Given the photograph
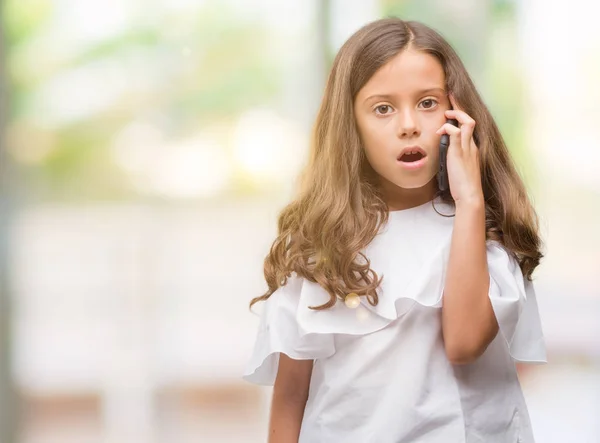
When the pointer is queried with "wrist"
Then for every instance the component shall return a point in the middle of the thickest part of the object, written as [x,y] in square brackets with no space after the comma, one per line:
[471,209]
[472,203]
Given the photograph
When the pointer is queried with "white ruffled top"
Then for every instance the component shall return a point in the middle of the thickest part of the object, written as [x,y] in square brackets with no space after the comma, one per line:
[380,373]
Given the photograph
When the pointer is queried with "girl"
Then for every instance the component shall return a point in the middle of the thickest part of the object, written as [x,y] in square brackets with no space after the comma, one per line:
[396,310]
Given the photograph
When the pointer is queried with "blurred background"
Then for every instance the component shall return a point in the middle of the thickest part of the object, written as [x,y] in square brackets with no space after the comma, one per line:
[147,147]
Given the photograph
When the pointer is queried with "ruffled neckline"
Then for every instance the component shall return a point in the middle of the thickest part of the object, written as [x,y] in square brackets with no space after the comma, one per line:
[411,253]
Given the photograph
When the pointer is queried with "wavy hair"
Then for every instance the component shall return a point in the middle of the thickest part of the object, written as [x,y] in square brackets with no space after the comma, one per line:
[339,208]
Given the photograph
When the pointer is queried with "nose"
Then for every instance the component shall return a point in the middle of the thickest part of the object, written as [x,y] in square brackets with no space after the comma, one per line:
[407,125]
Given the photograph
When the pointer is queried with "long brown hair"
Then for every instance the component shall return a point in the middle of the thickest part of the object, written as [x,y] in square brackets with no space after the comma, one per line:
[340,209]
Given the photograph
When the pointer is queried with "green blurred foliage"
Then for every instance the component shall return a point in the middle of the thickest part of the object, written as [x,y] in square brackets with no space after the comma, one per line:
[23,18]
[205,67]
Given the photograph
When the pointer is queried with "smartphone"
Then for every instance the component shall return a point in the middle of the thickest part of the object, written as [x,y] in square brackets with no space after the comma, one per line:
[442,175]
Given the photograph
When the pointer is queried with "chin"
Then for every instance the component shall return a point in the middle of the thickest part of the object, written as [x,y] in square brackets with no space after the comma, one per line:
[413,182]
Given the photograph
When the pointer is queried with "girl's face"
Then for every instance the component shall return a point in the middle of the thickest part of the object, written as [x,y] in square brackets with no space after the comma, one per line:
[397,114]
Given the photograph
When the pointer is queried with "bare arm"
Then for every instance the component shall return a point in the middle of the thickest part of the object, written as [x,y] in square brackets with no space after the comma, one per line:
[468,320]
[290,394]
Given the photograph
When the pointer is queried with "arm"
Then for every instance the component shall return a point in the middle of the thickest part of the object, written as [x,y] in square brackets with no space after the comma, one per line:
[468,320]
[290,394]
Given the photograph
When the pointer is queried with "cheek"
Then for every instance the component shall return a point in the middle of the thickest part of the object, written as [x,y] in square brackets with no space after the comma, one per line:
[375,132]
[434,122]
[370,134]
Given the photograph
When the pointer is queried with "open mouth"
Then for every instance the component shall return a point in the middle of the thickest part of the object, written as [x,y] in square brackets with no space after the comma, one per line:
[410,157]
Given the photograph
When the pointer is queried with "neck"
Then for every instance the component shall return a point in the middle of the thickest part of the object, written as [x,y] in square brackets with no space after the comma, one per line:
[398,198]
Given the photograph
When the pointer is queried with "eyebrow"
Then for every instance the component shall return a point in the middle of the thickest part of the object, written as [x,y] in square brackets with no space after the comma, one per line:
[421,92]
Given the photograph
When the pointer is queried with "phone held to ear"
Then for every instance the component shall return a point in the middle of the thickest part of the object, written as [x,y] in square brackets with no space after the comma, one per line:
[442,175]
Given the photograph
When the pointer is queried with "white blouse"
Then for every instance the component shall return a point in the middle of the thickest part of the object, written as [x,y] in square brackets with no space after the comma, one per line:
[380,373]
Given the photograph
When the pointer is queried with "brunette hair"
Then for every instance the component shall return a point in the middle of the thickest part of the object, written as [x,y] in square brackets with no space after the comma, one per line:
[340,209]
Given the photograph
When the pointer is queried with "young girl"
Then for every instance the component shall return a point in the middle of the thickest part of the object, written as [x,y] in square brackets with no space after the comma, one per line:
[396,310]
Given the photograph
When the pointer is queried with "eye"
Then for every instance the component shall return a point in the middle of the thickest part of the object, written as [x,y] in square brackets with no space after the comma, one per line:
[428,103]
[383,109]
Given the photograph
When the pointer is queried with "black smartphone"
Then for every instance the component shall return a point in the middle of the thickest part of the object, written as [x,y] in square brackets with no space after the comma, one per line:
[442,176]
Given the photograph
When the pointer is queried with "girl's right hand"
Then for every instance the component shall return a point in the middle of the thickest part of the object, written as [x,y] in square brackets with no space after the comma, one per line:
[464,171]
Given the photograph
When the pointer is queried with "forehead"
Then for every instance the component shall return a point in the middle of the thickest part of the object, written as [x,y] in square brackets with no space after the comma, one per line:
[405,73]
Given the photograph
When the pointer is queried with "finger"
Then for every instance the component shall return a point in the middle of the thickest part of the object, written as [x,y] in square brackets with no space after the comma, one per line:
[450,129]
[473,146]
[453,132]
[461,116]
[467,126]
[453,102]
